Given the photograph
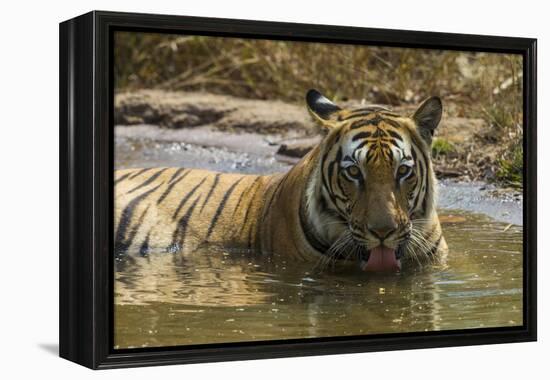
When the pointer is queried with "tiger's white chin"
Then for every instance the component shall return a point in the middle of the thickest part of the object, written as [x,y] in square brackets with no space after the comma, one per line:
[381,259]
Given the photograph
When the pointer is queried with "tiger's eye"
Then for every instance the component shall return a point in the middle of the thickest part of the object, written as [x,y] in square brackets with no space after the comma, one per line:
[403,171]
[353,171]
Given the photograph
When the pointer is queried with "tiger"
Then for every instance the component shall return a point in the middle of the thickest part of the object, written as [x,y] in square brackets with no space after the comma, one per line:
[364,195]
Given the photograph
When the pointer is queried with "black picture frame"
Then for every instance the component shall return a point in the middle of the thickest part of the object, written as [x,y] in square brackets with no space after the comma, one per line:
[86,183]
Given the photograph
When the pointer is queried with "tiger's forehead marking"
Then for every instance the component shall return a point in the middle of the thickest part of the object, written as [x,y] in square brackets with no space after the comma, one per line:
[374,137]
[365,112]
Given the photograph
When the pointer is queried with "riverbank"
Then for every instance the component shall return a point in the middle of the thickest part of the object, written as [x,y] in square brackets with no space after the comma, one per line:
[464,148]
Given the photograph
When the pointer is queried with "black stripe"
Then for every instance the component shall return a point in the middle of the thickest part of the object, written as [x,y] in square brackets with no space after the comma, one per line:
[389,154]
[379,132]
[176,173]
[435,246]
[361,135]
[322,203]
[416,201]
[140,172]
[325,210]
[323,163]
[339,185]
[361,123]
[220,207]
[244,192]
[323,177]
[171,186]
[216,181]
[395,135]
[335,197]
[360,146]
[420,175]
[330,171]
[371,155]
[250,204]
[311,238]
[249,241]
[425,185]
[426,196]
[178,238]
[349,159]
[410,195]
[428,186]
[148,181]
[273,196]
[122,178]
[383,145]
[121,243]
[417,186]
[393,123]
[136,227]
[279,186]
[359,113]
[189,194]
[144,249]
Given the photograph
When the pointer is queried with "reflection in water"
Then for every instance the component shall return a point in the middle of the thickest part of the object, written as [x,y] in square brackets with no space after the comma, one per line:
[217,296]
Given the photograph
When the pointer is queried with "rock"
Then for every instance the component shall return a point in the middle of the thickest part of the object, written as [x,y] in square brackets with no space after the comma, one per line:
[297,150]
[447,173]
[184,120]
[177,109]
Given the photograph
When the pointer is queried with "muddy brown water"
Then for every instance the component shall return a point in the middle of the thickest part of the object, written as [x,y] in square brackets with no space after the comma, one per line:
[217,296]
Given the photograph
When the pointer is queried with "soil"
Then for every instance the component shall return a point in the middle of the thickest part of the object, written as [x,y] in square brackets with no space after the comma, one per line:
[190,109]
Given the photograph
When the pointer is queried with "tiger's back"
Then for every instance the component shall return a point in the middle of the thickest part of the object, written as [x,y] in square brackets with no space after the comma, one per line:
[177,209]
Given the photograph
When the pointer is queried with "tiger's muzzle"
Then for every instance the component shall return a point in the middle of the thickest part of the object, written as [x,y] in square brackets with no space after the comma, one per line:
[384,247]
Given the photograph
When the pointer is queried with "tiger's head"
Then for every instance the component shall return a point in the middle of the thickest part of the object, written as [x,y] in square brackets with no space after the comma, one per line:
[371,196]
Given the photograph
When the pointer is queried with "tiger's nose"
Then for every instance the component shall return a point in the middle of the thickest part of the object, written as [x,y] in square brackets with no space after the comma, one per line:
[382,232]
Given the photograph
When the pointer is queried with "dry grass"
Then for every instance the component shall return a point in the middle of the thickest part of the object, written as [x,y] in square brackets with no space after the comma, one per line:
[471,84]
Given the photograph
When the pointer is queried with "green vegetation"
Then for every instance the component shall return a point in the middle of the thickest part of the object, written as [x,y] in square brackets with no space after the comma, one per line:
[442,147]
[510,169]
[472,84]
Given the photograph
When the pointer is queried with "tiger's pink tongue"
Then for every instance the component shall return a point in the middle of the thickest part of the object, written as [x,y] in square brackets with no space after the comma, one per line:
[382,259]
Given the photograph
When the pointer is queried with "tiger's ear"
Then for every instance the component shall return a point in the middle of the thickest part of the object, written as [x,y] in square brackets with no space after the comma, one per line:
[322,109]
[427,117]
